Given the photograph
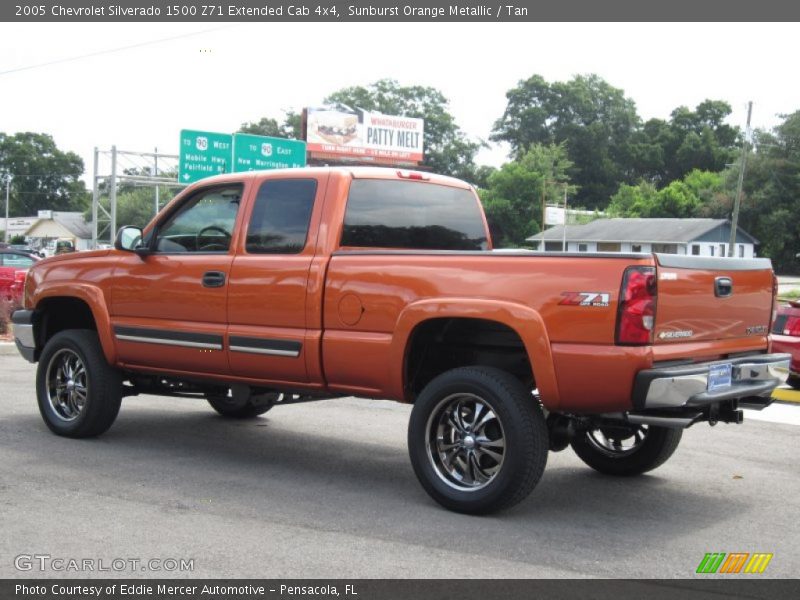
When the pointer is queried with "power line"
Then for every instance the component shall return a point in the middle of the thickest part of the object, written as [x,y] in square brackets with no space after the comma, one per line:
[110,50]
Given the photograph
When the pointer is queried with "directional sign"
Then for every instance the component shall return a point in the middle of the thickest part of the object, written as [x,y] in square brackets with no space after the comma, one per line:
[203,154]
[258,152]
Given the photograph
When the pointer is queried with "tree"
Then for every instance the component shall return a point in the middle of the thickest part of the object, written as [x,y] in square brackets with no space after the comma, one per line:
[770,209]
[512,198]
[43,177]
[691,197]
[447,149]
[663,151]
[290,128]
[595,121]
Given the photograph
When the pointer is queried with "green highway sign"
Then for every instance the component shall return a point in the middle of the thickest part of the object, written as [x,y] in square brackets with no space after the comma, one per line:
[203,154]
[258,152]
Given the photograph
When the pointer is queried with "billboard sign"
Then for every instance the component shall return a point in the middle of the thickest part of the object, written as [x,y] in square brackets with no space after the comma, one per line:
[360,134]
[258,152]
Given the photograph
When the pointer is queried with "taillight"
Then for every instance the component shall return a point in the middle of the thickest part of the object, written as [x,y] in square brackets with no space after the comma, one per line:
[792,327]
[637,306]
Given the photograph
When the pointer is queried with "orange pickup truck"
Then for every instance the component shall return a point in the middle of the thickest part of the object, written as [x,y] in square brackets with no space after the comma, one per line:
[258,289]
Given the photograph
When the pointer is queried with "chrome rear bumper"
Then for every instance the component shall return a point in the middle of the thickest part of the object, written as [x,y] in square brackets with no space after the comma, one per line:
[687,385]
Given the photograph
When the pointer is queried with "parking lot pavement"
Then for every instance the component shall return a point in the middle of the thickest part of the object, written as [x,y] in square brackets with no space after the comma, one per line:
[326,490]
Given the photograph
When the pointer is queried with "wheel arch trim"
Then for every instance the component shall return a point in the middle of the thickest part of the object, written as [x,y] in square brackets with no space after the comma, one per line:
[523,320]
[94,299]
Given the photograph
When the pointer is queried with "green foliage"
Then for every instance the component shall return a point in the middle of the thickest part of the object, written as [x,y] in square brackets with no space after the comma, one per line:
[595,121]
[770,209]
[43,177]
[290,128]
[513,194]
[447,149]
[680,199]
[663,151]
[17,239]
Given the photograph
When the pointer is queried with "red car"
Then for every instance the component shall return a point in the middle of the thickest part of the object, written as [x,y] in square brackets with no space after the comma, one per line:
[786,337]
[13,267]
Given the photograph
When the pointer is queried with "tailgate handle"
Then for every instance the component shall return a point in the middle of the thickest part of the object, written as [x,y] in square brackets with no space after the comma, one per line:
[723,287]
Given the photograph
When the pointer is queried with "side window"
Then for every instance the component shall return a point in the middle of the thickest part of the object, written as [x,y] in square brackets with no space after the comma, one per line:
[281,215]
[203,224]
[408,214]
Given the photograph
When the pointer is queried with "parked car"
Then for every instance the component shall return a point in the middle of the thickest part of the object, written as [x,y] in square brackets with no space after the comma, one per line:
[14,264]
[26,249]
[786,338]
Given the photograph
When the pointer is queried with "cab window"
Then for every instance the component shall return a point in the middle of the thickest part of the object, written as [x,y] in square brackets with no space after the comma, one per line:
[203,224]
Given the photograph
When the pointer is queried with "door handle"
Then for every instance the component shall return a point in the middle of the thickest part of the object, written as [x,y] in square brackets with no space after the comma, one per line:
[213,279]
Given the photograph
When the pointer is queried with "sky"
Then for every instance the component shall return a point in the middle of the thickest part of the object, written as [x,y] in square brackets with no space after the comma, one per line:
[137,85]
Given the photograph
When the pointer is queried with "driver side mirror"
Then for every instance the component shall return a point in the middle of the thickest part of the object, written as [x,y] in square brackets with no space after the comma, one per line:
[129,239]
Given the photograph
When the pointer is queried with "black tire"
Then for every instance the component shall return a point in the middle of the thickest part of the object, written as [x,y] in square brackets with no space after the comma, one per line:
[475,482]
[248,408]
[794,382]
[648,449]
[87,403]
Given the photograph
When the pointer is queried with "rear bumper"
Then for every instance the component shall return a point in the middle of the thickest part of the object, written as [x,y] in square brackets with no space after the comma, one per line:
[687,385]
[23,333]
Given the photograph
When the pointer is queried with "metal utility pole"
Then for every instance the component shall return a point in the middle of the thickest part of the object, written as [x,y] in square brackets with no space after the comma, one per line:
[737,203]
[8,191]
[113,194]
[155,174]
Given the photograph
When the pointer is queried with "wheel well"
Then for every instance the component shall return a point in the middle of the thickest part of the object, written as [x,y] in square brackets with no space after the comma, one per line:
[60,313]
[438,345]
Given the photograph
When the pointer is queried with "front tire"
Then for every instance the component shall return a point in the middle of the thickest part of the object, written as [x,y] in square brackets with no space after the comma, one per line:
[477,440]
[79,393]
[628,449]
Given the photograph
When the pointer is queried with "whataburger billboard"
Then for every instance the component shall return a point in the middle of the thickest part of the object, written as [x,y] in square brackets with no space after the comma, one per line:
[364,135]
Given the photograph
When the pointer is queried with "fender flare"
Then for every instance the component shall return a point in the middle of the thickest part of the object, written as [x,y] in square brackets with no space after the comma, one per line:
[525,321]
[93,297]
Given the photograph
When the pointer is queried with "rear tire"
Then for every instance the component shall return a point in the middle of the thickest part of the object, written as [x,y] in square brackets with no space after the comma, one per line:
[627,450]
[477,440]
[794,382]
[79,393]
[235,408]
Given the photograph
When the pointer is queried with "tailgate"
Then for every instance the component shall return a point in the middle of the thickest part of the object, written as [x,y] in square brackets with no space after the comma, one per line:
[703,299]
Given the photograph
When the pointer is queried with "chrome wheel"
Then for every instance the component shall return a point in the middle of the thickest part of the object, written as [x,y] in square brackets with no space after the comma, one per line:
[616,442]
[67,384]
[465,442]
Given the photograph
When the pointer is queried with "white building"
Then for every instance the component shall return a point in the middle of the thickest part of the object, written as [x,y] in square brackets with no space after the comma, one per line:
[697,237]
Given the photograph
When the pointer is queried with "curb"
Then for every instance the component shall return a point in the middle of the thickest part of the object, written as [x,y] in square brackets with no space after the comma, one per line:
[788,396]
[7,348]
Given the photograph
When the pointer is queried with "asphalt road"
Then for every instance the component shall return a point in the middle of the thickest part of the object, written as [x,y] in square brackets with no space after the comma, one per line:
[325,490]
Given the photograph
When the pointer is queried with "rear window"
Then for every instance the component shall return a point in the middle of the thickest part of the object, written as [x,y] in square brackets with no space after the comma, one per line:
[407,214]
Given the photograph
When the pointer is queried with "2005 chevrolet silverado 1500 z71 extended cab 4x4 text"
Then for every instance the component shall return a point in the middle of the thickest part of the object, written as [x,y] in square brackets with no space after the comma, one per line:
[256,289]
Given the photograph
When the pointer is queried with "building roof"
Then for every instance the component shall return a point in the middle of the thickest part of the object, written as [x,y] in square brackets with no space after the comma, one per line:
[640,230]
[72,223]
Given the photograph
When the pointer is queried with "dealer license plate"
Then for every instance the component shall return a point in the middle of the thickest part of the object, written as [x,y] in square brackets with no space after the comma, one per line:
[719,377]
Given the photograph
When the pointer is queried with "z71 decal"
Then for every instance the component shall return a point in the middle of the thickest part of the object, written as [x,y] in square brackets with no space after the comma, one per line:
[585,299]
